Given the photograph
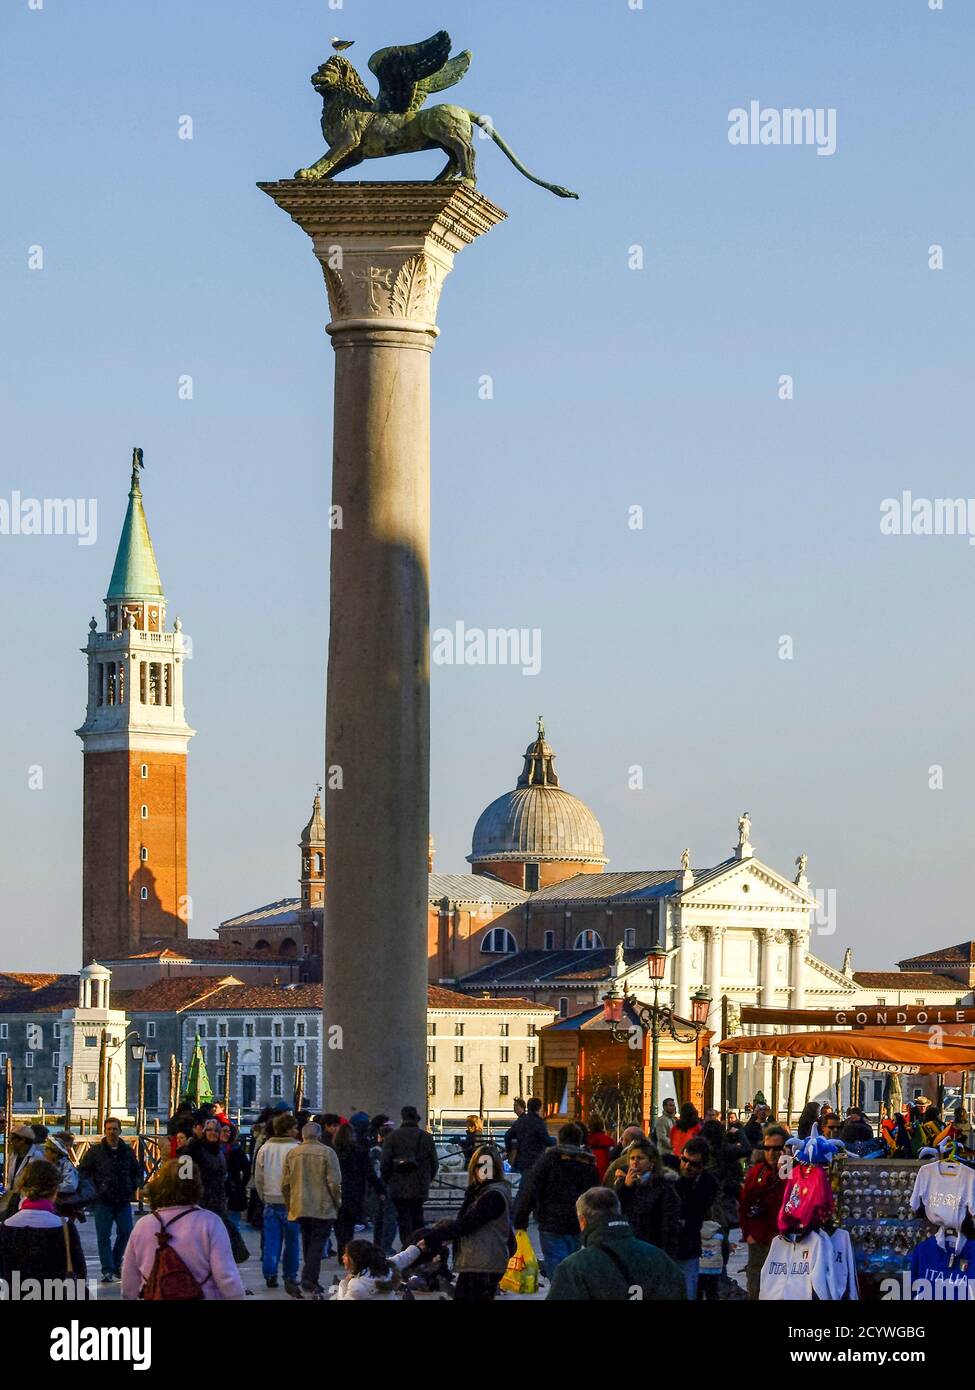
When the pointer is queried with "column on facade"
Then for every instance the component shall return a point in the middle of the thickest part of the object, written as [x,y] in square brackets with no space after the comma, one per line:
[766,937]
[800,941]
[687,939]
[715,938]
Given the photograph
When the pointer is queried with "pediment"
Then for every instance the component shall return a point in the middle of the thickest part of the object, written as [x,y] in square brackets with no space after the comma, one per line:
[746,884]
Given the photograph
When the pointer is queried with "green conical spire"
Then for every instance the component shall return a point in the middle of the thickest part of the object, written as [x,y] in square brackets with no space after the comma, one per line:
[198,1087]
[135,574]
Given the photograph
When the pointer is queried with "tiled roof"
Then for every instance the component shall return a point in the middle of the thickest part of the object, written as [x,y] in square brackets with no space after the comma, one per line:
[284,912]
[171,995]
[529,969]
[196,948]
[440,998]
[474,888]
[269,998]
[32,994]
[962,954]
[907,979]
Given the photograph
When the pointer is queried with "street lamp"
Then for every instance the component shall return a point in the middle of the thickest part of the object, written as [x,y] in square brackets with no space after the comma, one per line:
[655,1018]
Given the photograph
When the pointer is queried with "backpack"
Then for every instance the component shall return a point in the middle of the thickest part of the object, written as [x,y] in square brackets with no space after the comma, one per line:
[169,1278]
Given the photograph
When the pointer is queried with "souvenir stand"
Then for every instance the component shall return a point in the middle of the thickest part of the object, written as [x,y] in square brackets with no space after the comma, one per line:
[907,1219]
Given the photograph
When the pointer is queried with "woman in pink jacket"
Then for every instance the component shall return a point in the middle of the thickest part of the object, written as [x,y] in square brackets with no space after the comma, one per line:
[197,1236]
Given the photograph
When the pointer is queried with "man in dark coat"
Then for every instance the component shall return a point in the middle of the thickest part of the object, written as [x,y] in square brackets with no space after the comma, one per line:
[408,1166]
[612,1265]
[697,1191]
[116,1174]
[551,1188]
[528,1138]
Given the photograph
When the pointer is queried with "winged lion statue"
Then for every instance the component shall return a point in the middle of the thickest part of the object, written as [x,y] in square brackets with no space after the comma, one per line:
[357,126]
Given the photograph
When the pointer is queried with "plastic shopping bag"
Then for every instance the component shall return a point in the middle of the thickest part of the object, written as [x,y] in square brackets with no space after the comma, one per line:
[521,1276]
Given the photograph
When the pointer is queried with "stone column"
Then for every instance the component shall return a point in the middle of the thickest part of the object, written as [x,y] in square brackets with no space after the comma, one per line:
[800,941]
[384,249]
[715,938]
[767,936]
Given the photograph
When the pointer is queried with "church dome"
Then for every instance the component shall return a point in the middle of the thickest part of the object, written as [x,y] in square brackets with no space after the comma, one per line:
[538,820]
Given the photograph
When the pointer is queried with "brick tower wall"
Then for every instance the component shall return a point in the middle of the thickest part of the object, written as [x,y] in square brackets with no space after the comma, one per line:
[115,919]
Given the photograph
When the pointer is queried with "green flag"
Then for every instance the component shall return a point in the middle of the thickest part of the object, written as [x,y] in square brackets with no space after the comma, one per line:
[198,1087]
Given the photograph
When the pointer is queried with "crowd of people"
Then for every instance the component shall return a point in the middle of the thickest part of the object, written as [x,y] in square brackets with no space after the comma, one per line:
[611,1213]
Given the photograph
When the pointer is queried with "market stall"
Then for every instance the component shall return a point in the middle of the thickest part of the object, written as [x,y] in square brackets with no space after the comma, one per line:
[908,1219]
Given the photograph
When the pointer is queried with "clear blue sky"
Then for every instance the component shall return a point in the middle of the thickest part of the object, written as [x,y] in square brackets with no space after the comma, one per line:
[612,388]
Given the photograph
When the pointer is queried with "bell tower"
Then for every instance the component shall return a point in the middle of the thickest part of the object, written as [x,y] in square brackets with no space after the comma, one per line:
[135,738]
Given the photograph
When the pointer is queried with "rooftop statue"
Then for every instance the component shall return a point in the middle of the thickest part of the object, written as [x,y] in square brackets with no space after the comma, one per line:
[359,126]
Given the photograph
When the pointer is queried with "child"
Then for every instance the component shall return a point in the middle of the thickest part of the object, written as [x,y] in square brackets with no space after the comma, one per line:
[370,1273]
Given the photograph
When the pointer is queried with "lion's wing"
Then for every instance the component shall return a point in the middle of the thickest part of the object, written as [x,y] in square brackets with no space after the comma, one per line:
[448,76]
[404,69]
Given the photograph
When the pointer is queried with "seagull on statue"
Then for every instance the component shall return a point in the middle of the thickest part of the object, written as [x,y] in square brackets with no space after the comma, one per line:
[340,44]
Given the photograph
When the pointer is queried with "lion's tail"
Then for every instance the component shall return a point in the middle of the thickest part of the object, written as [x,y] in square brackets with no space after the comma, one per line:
[487,125]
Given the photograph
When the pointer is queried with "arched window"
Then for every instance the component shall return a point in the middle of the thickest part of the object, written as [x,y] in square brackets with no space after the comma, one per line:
[498,942]
[588,941]
[287,947]
[629,937]
[548,941]
[319,864]
[261,946]
[144,895]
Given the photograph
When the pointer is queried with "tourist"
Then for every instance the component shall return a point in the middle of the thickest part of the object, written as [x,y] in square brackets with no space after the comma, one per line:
[480,1232]
[23,1149]
[384,1224]
[115,1174]
[528,1138]
[357,1173]
[550,1189]
[808,1118]
[725,1166]
[281,1235]
[619,1154]
[686,1127]
[56,1153]
[473,1137]
[599,1143]
[180,1124]
[759,1203]
[833,1123]
[648,1197]
[329,1123]
[760,1117]
[409,1165]
[369,1274]
[206,1151]
[697,1191]
[196,1236]
[238,1173]
[312,1188]
[856,1130]
[612,1262]
[663,1124]
[36,1243]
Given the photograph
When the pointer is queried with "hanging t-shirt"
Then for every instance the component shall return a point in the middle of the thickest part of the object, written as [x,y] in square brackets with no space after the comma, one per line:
[807,1199]
[941,1269]
[798,1270]
[946,1191]
[844,1279]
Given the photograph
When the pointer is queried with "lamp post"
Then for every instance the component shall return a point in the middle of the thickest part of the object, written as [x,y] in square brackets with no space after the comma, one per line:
[655,1019]
[139,1055]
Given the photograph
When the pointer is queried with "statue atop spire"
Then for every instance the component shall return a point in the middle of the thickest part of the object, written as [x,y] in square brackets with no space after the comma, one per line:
[136,465]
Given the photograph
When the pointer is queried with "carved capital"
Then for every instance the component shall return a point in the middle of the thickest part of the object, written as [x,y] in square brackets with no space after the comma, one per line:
[690,934]
[385,248]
